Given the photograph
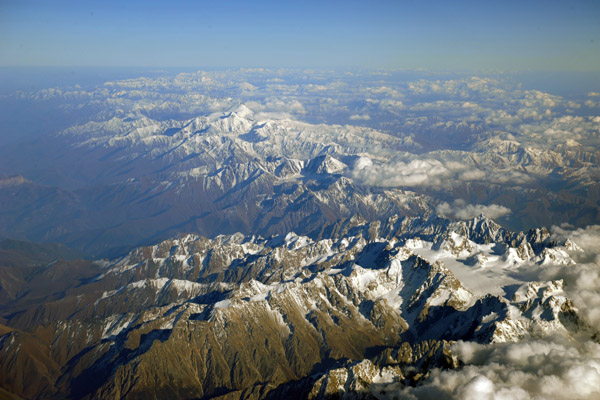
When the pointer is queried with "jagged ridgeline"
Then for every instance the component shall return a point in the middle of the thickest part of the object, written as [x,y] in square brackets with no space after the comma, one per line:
[365,310]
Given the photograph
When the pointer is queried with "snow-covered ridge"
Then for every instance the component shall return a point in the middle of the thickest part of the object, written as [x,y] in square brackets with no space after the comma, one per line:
[238,126]
[471,267]
[209,139]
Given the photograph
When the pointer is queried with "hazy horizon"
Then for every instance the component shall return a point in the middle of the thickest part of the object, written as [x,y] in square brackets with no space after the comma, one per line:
[33,78]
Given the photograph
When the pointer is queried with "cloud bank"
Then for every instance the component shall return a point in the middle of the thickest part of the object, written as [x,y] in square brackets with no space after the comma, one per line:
[541,369]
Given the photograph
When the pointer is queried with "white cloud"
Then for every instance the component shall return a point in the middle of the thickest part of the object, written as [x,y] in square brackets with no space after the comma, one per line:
[461,210]
[247,87]
[414,173]
[472,175]
[363,117]
[389,104]
[434,172]
[587,238]
[363,162]
[278,106]
[511,177]
[382,90]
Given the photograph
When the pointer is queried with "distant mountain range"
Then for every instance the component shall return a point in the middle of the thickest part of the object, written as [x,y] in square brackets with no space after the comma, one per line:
[102,187]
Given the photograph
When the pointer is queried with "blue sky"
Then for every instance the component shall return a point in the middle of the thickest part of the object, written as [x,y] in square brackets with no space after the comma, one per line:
[438,35]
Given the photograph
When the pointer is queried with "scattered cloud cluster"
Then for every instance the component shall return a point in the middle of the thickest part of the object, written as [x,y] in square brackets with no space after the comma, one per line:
[465,88]
[568,129]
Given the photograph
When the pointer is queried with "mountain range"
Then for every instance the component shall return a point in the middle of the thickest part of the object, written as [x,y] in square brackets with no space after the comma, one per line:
[251,234]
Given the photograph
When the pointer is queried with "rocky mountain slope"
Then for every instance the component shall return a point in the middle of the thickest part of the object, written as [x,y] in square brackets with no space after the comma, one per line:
[250,317]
